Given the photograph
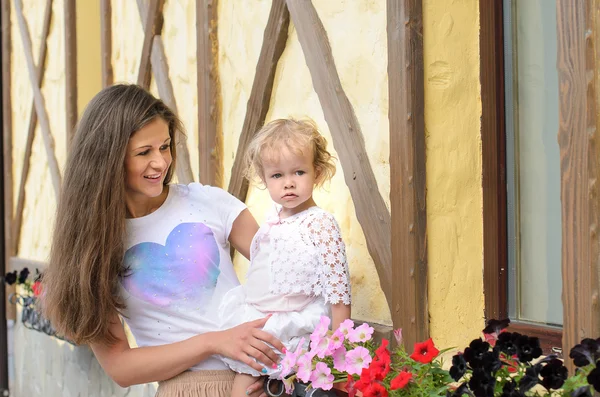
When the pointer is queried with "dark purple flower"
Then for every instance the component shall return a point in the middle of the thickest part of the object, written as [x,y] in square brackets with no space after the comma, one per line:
[594,378]
[491,361]
[554,374]
[496,326]
[510,390]
[530,379]
[528,348]
[459,367]
[482,383]
[474,353]
[585,352]
[10,278]
[506,343]
[23,274]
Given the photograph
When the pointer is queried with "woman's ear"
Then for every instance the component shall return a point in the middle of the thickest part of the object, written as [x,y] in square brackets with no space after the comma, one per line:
[318,174]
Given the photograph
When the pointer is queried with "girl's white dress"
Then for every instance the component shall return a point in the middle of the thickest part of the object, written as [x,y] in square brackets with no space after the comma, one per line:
[298,269]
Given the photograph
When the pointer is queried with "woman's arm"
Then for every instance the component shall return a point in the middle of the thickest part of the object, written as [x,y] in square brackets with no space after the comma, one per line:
[339,313]
[129,366]
[242,232]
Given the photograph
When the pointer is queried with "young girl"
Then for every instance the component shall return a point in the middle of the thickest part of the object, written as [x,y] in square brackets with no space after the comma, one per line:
[298,270]
[129,245]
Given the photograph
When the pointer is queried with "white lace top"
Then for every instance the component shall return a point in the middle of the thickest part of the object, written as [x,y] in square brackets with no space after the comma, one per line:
[305,256]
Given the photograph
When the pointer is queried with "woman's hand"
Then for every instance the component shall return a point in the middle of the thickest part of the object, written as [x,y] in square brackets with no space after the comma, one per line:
[256,389]
[248,341]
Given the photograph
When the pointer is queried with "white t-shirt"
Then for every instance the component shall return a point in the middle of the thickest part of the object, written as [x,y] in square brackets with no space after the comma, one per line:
[179,266]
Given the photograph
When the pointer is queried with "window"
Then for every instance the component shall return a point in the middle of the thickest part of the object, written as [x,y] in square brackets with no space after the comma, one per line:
[532,162]
[521,175]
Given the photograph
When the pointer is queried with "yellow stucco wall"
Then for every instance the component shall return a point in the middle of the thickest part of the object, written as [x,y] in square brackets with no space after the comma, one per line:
[454,190]
[452,112]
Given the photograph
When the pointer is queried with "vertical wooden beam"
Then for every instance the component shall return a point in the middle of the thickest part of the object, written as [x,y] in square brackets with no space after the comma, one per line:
[348,139]
[274,40]
[495,261]
[70,67]
[153,21]
[41,67]
[165,91]
[106,42]
[578,137]
[7,127]
[407,164]
[40,106]
[209,150]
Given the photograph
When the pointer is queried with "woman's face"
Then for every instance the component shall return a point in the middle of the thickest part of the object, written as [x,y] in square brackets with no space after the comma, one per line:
[147,160]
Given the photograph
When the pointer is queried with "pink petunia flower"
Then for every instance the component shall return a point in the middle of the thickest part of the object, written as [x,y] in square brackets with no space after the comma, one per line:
[357,359]
[346,326]
[398,335]
[336,340]
[362,333]
[305,367]
[289,384]
[339,359]
[321,377]
[320,346]
[321,328]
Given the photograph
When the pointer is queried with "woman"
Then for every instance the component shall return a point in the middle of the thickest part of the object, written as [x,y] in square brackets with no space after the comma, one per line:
[128,245]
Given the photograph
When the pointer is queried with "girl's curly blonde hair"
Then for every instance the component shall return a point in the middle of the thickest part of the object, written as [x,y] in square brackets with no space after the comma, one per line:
[299,136]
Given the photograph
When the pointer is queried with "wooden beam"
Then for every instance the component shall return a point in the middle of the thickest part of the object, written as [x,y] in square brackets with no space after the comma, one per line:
[274,40]
[106,42]
[493,139]
[348,141]
[165,91]
[7,128]
[41,67]
[578,138]
[40,106]
[153,21]
[71,67]
[209,148]
[407,166]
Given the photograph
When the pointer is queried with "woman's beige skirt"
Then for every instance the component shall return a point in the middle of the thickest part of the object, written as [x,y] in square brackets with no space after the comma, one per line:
[198,384]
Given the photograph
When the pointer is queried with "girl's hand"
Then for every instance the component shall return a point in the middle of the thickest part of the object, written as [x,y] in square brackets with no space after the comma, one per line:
[248,341]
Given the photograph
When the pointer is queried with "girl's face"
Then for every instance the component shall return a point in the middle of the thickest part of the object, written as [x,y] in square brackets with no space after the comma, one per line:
[290,180]
[147,161]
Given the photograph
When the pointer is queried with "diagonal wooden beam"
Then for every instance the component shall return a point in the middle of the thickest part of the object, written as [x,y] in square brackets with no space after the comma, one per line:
[7,130]
[41,67]
[578,60]
[70,67]
[209,149]
[407,165]
[348,141]
[165,91]
[274,40]
[153,21]
[106,42]
[40,106]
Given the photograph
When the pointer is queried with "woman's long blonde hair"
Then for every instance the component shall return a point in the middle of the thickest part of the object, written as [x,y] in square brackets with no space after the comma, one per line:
[80,287]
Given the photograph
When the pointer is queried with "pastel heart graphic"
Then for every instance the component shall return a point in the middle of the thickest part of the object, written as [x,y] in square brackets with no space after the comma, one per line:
[184,271]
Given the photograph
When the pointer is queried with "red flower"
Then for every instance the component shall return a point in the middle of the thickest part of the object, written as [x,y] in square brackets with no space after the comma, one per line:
[382,350]
[400,381]
[375,390]
[351,386]
[36,288]
[366,378]
[379,368]
[425,352]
